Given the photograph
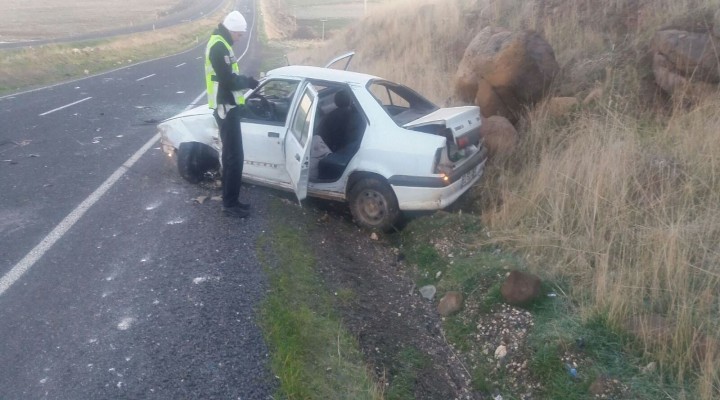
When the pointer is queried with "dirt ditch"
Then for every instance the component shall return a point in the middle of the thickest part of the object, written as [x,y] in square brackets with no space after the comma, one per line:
[381,306]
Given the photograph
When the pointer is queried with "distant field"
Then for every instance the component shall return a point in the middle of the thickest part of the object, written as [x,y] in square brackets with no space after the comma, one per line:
[313,19]
[347,9]
[33,19]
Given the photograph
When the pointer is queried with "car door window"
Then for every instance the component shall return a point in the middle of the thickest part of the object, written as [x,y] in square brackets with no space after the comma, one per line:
[271,101]
[301,123]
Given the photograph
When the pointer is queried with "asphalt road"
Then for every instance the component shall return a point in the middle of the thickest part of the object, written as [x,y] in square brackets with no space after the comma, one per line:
[114,283]
[187,11]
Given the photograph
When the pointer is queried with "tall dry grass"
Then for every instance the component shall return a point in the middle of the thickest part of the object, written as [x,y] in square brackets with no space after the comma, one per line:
[621,198]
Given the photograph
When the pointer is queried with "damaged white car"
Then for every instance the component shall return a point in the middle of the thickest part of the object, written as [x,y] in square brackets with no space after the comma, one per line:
[346,136]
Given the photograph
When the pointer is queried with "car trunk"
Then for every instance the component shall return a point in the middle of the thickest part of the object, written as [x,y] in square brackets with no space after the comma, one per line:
[459,125]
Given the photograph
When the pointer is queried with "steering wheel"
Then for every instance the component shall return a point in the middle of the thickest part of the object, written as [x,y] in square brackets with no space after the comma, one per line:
[263,108]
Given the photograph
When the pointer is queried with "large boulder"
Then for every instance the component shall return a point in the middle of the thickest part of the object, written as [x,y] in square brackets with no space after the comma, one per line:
[505,72]
[685,57]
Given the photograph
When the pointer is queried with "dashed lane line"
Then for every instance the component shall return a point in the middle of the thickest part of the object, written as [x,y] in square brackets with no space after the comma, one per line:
[65,106]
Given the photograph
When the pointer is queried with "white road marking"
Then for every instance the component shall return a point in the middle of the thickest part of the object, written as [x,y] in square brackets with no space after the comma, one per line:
[180,65]
[38,251]
[65,106]
[144,77]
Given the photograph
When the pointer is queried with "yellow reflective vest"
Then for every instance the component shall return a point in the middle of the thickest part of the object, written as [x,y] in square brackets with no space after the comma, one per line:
[211,78]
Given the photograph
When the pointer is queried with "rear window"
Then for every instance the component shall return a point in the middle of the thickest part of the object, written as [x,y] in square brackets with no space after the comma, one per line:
[401,103]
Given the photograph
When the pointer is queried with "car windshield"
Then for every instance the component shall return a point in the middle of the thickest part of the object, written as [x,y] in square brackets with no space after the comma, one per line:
[401,103]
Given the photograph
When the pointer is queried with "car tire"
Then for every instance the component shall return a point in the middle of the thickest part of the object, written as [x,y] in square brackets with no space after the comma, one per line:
[373,205]
[194,160]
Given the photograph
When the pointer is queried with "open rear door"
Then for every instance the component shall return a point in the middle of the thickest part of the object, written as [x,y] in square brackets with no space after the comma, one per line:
[298,141]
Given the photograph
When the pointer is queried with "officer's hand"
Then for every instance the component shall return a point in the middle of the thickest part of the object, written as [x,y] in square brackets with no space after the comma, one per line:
[252,82]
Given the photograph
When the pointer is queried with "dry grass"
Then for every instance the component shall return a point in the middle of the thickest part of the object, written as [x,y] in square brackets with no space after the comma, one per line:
[26,20]
[622,198]
[22,68]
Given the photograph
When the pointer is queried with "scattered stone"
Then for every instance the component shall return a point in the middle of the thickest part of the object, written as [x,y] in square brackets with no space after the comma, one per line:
[561,106]
[374,236]
[200,199]
[450,303]
[599,386]
[520,288]
[650,368]
[428,291]
[593,96]
[500,352]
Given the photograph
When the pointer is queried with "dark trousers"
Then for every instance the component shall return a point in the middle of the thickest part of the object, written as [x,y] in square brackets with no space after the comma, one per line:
[233,157]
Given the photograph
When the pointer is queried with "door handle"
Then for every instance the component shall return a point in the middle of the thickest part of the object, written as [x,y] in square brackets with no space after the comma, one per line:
[273,134]
[297,157]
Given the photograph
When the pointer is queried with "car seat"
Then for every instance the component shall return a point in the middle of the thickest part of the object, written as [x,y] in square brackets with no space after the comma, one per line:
[342,132]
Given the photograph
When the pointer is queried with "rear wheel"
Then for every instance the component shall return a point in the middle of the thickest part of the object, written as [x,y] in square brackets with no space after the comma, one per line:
[373,205]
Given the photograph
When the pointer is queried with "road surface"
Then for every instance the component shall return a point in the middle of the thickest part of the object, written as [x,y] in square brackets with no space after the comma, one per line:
[114,283]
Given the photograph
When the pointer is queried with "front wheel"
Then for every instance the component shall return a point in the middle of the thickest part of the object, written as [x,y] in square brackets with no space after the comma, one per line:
[373,205]
[195,159]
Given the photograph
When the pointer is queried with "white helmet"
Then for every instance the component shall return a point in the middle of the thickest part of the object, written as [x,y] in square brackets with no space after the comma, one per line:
[235,22]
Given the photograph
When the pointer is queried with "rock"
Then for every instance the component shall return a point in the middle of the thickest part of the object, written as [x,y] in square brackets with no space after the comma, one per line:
[373,236]
[676,84]
[599,386]
[428,291]
[504,72]
[593,96]
[450,303]
[650,368]
[500,352]
[561,106]
[499,135]
[520,288]
[691,54]
[685,63]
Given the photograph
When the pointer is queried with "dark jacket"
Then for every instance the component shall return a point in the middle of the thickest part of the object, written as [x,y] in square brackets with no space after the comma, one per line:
[221,63]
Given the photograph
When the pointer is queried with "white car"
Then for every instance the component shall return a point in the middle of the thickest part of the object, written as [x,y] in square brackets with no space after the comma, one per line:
[390,149]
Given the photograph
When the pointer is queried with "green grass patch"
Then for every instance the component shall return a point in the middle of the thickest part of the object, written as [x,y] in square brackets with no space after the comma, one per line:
[410,361]
[559,336]
[313,356]
[601,351]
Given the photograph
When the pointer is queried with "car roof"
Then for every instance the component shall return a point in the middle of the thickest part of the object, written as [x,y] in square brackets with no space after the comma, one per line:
[320,73]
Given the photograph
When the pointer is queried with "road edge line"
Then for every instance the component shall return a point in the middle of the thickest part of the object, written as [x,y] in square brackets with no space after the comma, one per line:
[71,219]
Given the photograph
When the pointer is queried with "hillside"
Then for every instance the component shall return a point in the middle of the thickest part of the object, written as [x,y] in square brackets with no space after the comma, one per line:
[615,200]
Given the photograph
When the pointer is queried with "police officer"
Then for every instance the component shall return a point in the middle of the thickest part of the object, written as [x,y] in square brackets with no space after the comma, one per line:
[225,87]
